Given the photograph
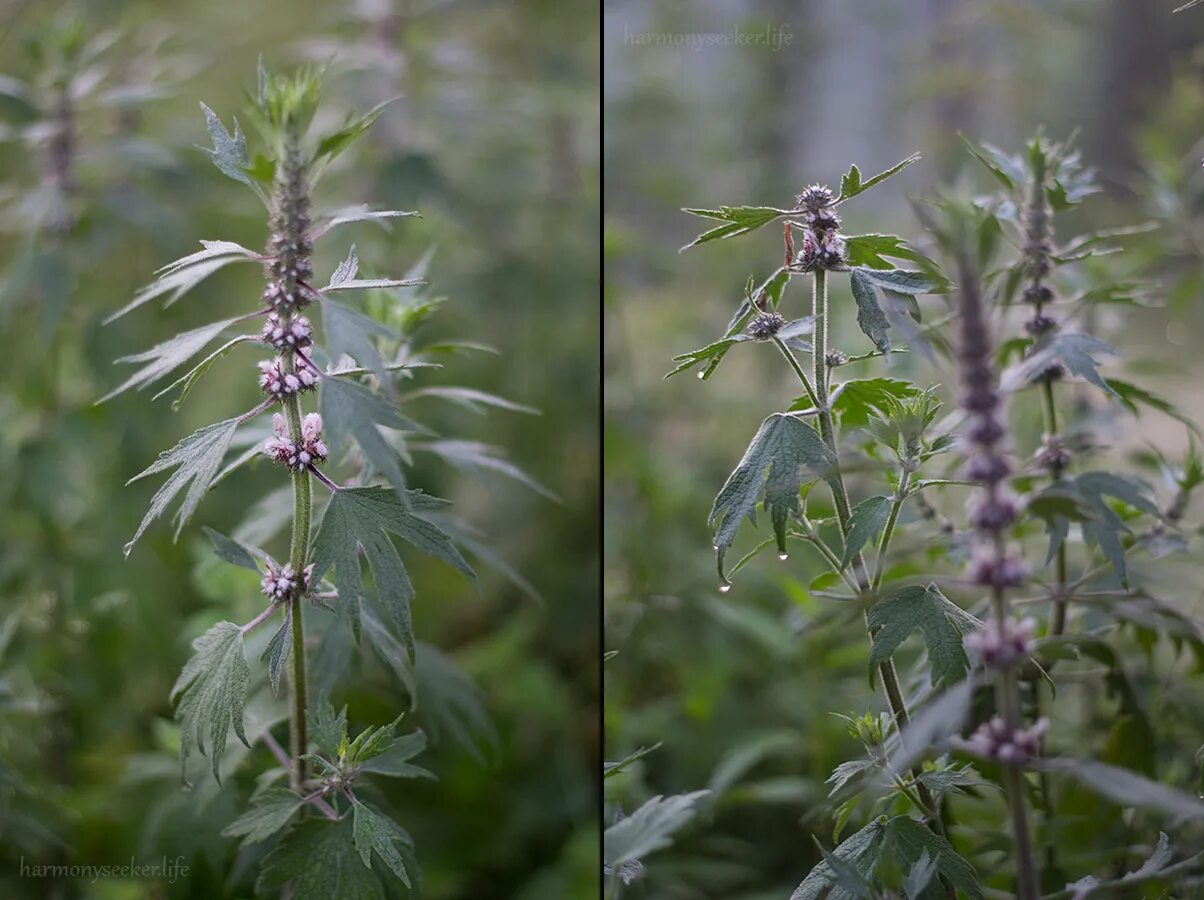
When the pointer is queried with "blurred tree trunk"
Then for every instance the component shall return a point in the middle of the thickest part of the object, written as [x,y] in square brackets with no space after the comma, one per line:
[777,127]
[1135,54]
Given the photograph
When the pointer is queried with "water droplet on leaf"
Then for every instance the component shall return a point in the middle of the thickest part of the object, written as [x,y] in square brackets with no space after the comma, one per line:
[783,556]
[725,587]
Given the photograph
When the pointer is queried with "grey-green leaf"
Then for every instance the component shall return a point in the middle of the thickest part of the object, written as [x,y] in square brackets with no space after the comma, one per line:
[161,359]
[781,451]
[196,460]
[913,841]
[737,220]
[352,410]
[277,651]
[360,517]
[870,317]
[1127,788]
[270,811]
[229,152]
[374,832]
[941,622]
[232,551]
[868,518]
[851,184]
[320,859]
[212,692]
[859,850]
[649,828]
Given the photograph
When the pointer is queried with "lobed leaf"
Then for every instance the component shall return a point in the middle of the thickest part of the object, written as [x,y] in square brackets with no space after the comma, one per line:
[649,828]
[851,184]
[373,832]
[941,622]
[737,220]
[212,693]
[270,811]
[196,460]
[320,859]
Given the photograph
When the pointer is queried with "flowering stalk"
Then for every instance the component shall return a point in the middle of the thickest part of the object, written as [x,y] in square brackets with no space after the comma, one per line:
[1004,642]
[1037,266]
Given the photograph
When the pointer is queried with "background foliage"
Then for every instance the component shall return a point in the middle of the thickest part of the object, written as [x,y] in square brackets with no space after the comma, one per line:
[740,688]
[494,141]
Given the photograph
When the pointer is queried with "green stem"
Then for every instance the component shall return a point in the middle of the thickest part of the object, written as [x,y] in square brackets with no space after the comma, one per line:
[840,497]
[298,737]
[888,530]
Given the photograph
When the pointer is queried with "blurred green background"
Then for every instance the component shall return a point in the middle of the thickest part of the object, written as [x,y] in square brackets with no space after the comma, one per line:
[741,688]
[495,142]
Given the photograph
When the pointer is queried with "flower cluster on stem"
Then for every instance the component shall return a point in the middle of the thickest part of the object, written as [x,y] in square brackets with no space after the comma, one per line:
[996,567]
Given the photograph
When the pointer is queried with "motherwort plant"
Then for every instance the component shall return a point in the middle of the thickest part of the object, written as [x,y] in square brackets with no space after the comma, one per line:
[982,693]
[339,844]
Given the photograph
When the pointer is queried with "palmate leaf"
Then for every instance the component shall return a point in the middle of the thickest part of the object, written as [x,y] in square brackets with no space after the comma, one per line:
[1077,352]
[737,220]
[474,456]
[1102,527]
[941,622]
[270,811]
[860,398]
[394,761]
[177,278]
[649,828]
[872,250]
[783,449]
[196,460]
[364,517]
[161,359]
[212,691]
[851,184]
[373,832]
[320,858]
[350,410]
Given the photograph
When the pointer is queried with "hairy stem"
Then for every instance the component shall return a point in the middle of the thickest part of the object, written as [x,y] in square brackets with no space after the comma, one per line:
[1058,621]
[840,497]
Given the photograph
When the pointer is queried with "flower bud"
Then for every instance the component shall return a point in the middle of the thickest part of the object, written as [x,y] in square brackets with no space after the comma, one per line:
[765,326]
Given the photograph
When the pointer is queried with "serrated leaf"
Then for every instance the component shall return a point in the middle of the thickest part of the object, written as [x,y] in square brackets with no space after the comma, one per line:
[175,282]
[649,828]
[327,729]
[859,398]
[851,184]
[1126,788]
[362,518]
[277,651]
[320,859]
[859,850]
[269,812]
[774,463]
[870,317]
[1077,352]
[868,518]
[196,460]
[350,410]
[394,762]
[911,282]
[710,354]
[230,550]
[376,833]
[1104,528]
[364,214]
[188,380]
[941,622]
[229,152]
[768,294]
[737,220]
[912,840]
[164,357]
[872,250]
[212,693]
